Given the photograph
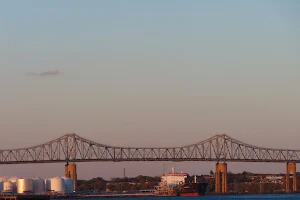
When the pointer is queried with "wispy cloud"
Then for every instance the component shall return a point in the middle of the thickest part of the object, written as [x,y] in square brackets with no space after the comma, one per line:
[47,73]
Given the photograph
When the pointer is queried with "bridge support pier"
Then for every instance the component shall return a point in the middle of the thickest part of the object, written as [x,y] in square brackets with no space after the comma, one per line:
[70,172]
[290,167]
[221,187]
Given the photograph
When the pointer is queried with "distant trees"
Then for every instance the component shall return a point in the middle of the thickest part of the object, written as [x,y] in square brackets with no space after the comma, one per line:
[118,184]
[93,184]
[243,177]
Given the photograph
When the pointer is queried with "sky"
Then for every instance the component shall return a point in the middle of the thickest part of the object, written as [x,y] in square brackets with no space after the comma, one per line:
[148,73]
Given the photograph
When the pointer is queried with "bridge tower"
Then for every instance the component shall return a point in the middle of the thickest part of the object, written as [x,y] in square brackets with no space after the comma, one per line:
[70,172]
[290,167]
[221,187]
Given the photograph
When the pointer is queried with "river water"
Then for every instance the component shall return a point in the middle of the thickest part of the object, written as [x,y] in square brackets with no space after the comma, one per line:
[221,197]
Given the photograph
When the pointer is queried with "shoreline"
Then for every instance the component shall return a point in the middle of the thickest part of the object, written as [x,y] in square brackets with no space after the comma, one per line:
[130,195]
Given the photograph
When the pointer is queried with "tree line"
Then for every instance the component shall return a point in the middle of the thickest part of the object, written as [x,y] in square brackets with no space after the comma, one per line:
[240,182]
[118,184]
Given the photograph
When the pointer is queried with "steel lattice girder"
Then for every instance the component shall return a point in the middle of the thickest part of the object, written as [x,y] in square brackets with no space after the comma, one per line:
[73,148]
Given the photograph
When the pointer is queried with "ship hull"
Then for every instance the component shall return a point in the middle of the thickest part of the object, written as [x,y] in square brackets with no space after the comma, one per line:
[192,189]
[191,194]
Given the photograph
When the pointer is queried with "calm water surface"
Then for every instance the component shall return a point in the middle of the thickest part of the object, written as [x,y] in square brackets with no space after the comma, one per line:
[227,197]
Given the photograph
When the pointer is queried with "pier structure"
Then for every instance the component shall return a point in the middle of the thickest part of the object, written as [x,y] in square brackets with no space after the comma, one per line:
[291,167]
[221,178]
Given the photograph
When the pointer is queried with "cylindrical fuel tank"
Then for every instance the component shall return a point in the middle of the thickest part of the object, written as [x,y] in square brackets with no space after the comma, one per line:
[14,182]
[1,186]
[8,186]
[24,186]
[38,185]
[2,180]
[57,184]
[68,185]
[47,184]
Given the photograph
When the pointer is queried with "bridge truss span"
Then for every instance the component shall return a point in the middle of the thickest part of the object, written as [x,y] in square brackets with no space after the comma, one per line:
[73,148]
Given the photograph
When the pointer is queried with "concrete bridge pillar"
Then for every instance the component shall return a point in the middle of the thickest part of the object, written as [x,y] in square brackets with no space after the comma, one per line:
[221,187]
[290,167]
[70,172]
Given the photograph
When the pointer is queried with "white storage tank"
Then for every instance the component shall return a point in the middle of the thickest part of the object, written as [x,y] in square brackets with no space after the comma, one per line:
[57,184]
[14,182]
[8,186]
[68,185]
[38,185]
[2,180]
[24,186]
[47,183]
[1,186]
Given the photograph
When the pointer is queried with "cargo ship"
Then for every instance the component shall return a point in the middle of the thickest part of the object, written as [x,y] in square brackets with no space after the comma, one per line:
[181,184]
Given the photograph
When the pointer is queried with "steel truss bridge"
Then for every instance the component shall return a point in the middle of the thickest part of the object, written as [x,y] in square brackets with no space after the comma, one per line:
[73,148]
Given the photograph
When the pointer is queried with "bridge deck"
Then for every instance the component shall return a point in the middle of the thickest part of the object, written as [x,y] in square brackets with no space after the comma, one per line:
[73,148]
